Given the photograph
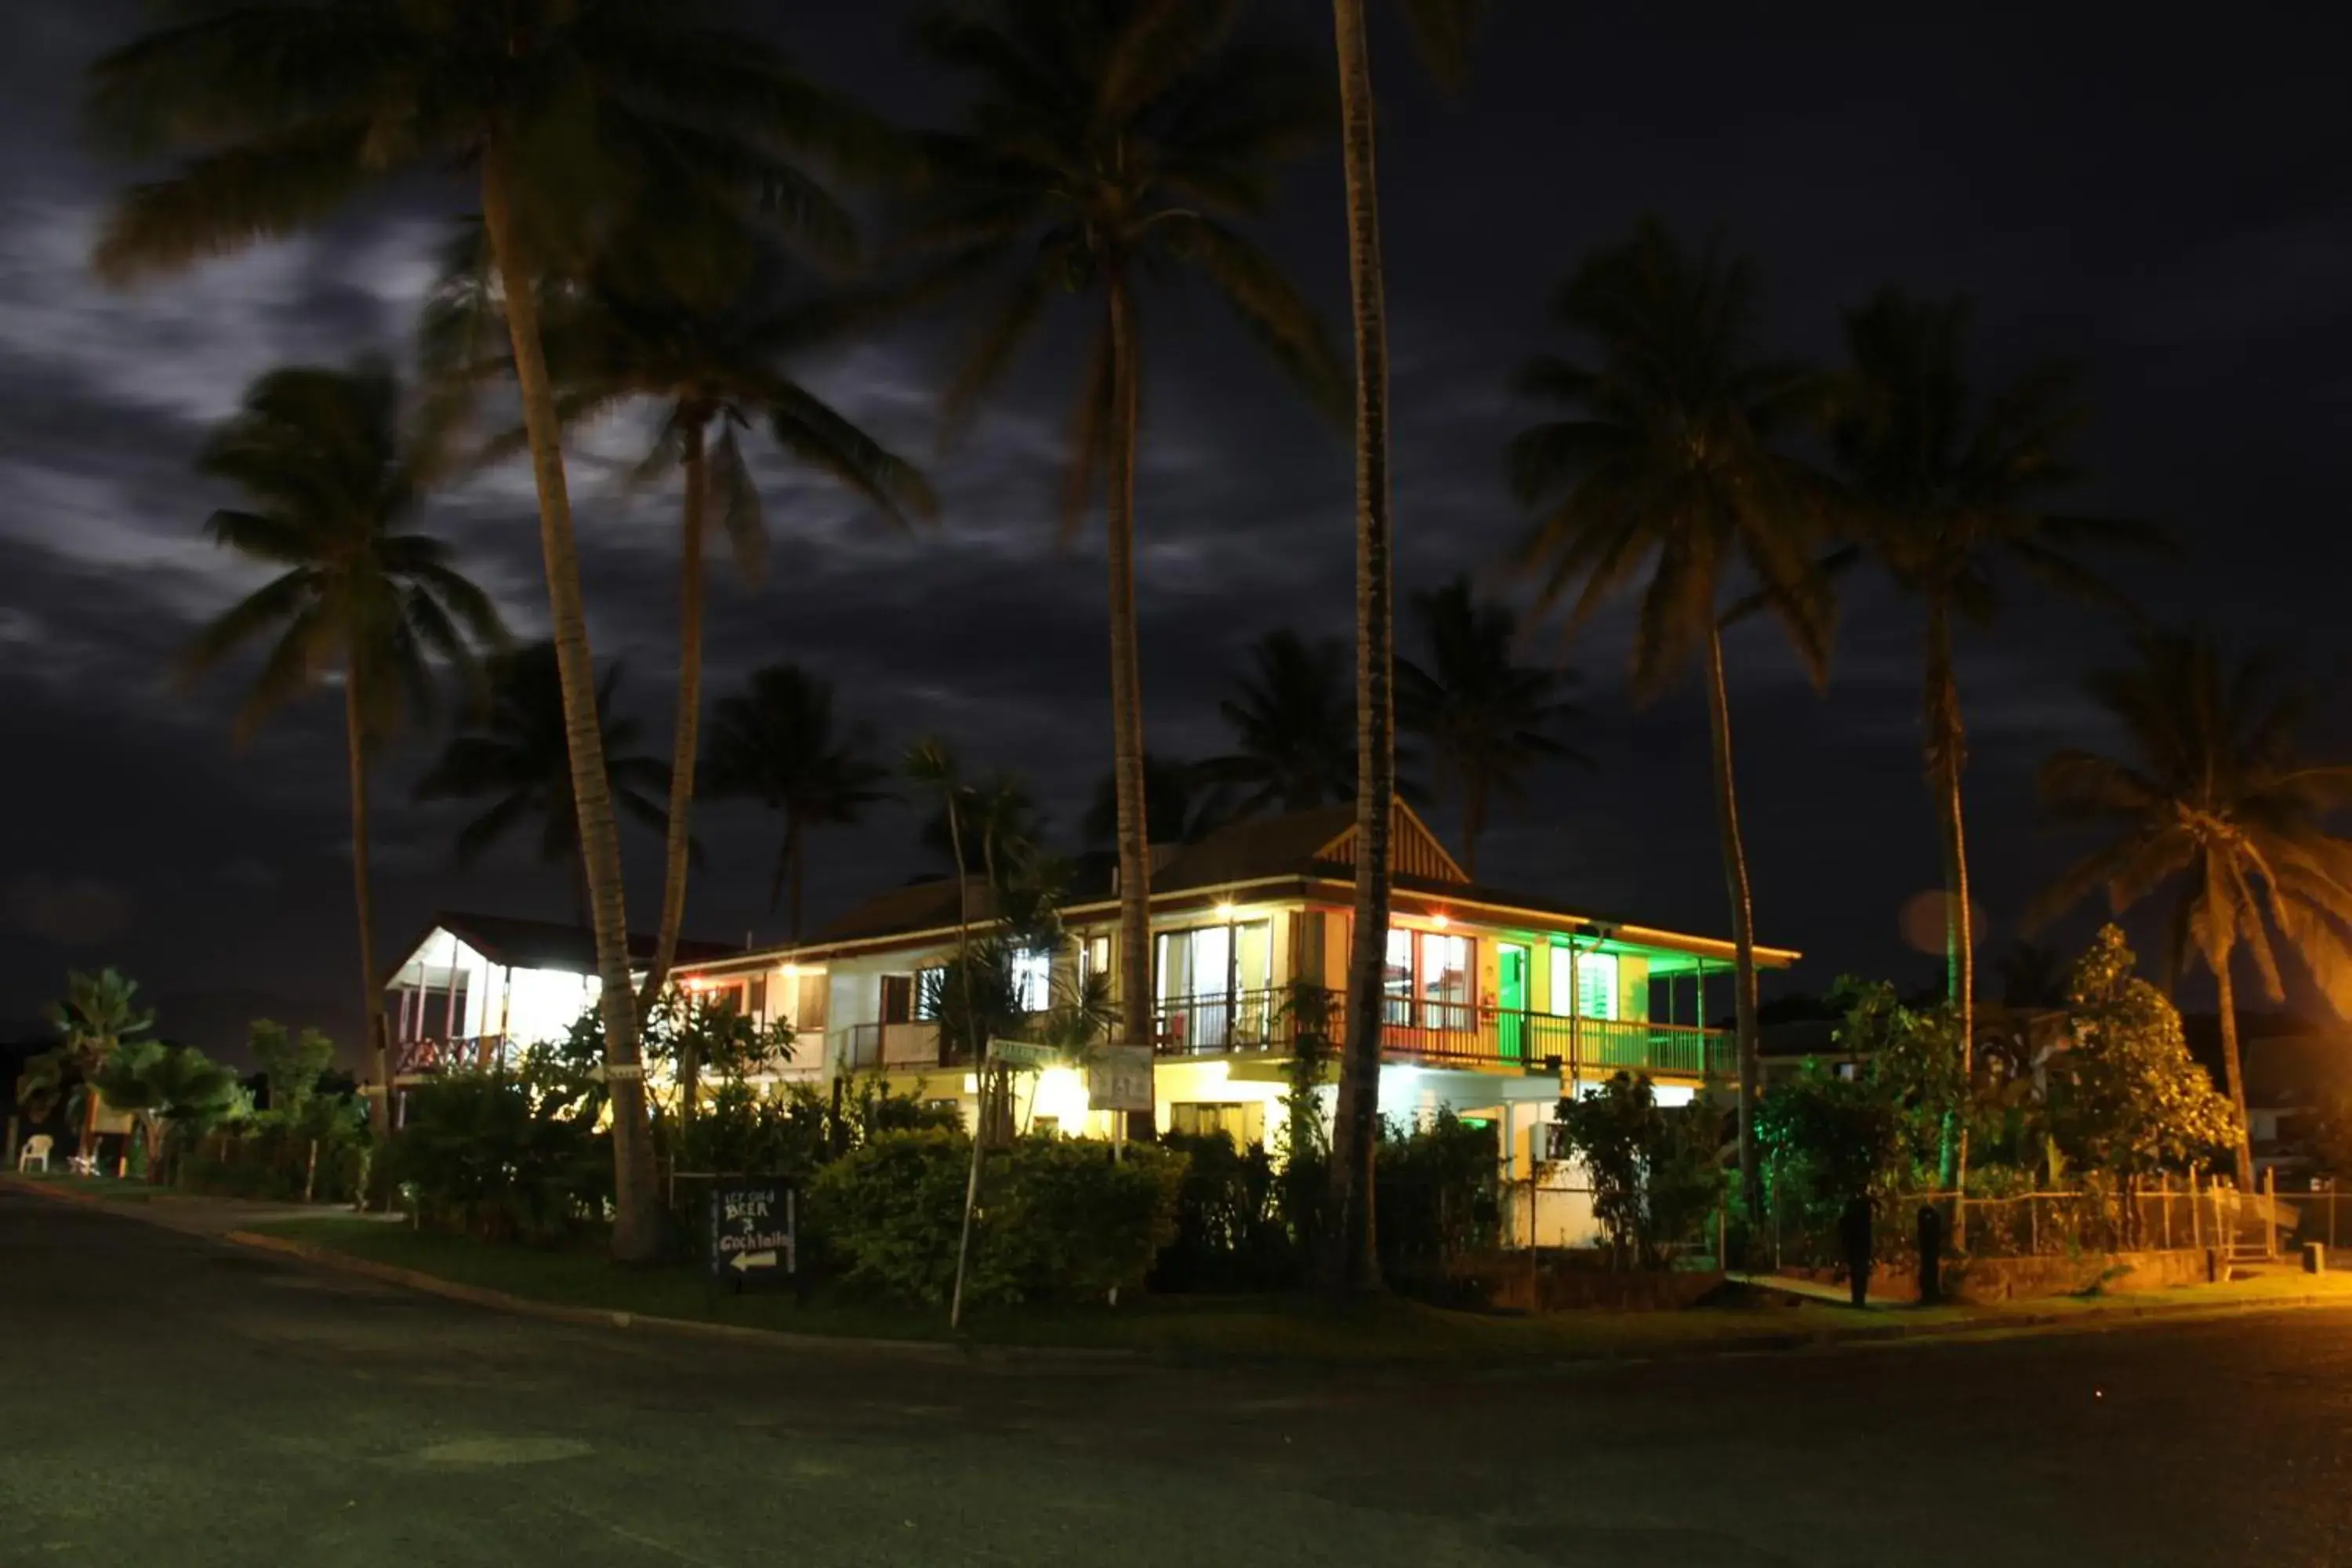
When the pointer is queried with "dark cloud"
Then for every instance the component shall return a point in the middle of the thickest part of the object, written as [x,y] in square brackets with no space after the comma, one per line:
[2165,204]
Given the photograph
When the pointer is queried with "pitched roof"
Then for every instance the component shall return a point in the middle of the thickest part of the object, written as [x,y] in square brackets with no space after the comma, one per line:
[520,943]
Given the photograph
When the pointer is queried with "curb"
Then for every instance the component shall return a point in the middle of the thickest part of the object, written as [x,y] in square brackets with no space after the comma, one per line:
[605,1318]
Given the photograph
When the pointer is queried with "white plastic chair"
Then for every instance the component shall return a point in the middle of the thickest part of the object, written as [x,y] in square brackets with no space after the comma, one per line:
[36,1148]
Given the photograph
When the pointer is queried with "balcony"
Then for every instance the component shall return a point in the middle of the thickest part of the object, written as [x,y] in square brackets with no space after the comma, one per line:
[864,1048]
[1451,1034]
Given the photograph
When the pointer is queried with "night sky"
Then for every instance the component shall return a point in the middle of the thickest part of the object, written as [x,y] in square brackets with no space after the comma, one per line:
[2165,201]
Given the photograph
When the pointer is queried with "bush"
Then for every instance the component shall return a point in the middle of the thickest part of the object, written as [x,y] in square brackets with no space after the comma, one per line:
[1435,1201]
[477,1156]
[269,1155]
[1230,1233]
[1057,1220]
[1654,1180]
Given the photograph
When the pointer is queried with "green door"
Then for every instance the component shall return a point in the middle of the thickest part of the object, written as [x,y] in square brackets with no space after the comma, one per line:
[1511,1000]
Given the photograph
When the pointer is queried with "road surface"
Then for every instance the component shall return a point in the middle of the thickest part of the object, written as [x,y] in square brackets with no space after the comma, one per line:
[175,1401]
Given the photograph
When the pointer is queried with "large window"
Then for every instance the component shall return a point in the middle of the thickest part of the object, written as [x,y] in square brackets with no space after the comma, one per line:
[1429,981]
[1590,977]
[1214,985]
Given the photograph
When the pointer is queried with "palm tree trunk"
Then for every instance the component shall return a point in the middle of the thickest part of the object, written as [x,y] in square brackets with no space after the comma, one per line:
[2233,1071]
[636,1219]
[793,868]
[1356,1265]
[1743,921]
[690,714]
[1127,678]
[1946,755]
[371,993]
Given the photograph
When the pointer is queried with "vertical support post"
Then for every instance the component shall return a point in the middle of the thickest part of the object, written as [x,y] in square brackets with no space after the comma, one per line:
[2196,1211]
[1575,1013]
[2270,1212]
[2164,1192]
[2034,1224]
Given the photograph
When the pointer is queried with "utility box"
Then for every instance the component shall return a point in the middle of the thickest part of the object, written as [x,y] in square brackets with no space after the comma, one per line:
[2315,1258]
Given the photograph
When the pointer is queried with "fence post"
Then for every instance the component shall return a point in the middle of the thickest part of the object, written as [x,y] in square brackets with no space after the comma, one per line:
[2164,1196]
[2270,1212]
[2196,1212]
[2032,1225]
[2332,1197]
[311,1171]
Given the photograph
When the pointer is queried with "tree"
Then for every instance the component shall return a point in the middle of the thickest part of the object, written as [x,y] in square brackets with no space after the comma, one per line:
[331,481]
[713,366]
[1487,718]
[775,741]
[1294,733]
[291,1064]
[98,1017]
[1443,28]
[996,821]
[1184,806]
[571,115]
[1653,1170]
[1668,462]
[1110,143]
[2214,799]
[1946,489]
[516,753]
[169,1088]
[2128,1098]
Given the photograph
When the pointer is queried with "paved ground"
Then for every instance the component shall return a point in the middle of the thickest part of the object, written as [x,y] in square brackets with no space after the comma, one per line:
[203,1405]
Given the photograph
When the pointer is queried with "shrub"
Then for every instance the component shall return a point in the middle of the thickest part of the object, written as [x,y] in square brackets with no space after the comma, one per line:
[1057,1220]
[1067,1223]
[1655,1179]
[478,1156]
[1230,1234]
[1436,1200]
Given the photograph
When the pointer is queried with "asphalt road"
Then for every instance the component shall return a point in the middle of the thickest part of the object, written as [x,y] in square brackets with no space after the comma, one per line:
[179,1402]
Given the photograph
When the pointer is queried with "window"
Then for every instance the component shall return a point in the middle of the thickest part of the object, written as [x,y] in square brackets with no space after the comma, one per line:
[1212,983]
[1033,979]
[930,981]
[1428,982]
[1593,986]
[1243,1123]
[1093,958]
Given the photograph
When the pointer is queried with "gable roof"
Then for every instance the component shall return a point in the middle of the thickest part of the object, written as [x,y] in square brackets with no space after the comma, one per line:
[520,943]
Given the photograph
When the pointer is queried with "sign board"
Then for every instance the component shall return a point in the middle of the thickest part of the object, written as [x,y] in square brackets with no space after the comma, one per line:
[752,1225]
[1119,1079]
[1022,1054]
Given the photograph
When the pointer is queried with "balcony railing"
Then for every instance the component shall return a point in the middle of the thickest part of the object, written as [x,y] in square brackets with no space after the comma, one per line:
[1448,1034]
[864,1047]
[472,1052]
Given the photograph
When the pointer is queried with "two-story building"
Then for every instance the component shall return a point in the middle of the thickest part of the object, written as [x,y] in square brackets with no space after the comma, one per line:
[1493,1001]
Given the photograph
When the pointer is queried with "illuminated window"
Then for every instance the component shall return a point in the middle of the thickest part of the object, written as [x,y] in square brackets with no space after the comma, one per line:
[929,981]
[1033,979]
[1594,985]
[1093,958]
[1243,1123]
[1428,982]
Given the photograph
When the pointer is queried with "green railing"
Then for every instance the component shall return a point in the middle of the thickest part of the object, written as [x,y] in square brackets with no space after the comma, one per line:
[1450,1032]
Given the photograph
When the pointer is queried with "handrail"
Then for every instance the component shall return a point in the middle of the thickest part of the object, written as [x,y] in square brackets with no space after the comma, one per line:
[1419,1029]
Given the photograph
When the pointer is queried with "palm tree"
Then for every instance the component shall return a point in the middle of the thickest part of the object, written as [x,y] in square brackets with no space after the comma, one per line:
[331,481]
[1946,489]
[1184,805]
[169,1088]
[515,754]
[1487,718]
[714,367]
[1109,141]
[2214,799]
[1667,463]
[1443,28]
[98,1017]
[775,741]
[570,115]
[1294,729]
[996,817]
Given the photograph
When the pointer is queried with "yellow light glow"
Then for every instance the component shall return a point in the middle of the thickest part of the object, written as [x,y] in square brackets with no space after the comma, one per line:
[1440,920]
[1225,908]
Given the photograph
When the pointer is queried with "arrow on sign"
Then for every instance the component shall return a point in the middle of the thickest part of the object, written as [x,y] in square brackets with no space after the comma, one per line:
[743,1260]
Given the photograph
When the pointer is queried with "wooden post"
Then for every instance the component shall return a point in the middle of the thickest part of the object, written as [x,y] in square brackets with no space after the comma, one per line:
[2034,1224]
[2270,1212]
[2165,1197]
[311,1171]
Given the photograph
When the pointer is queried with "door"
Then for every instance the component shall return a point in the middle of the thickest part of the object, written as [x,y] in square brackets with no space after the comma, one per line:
[1511,1000]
